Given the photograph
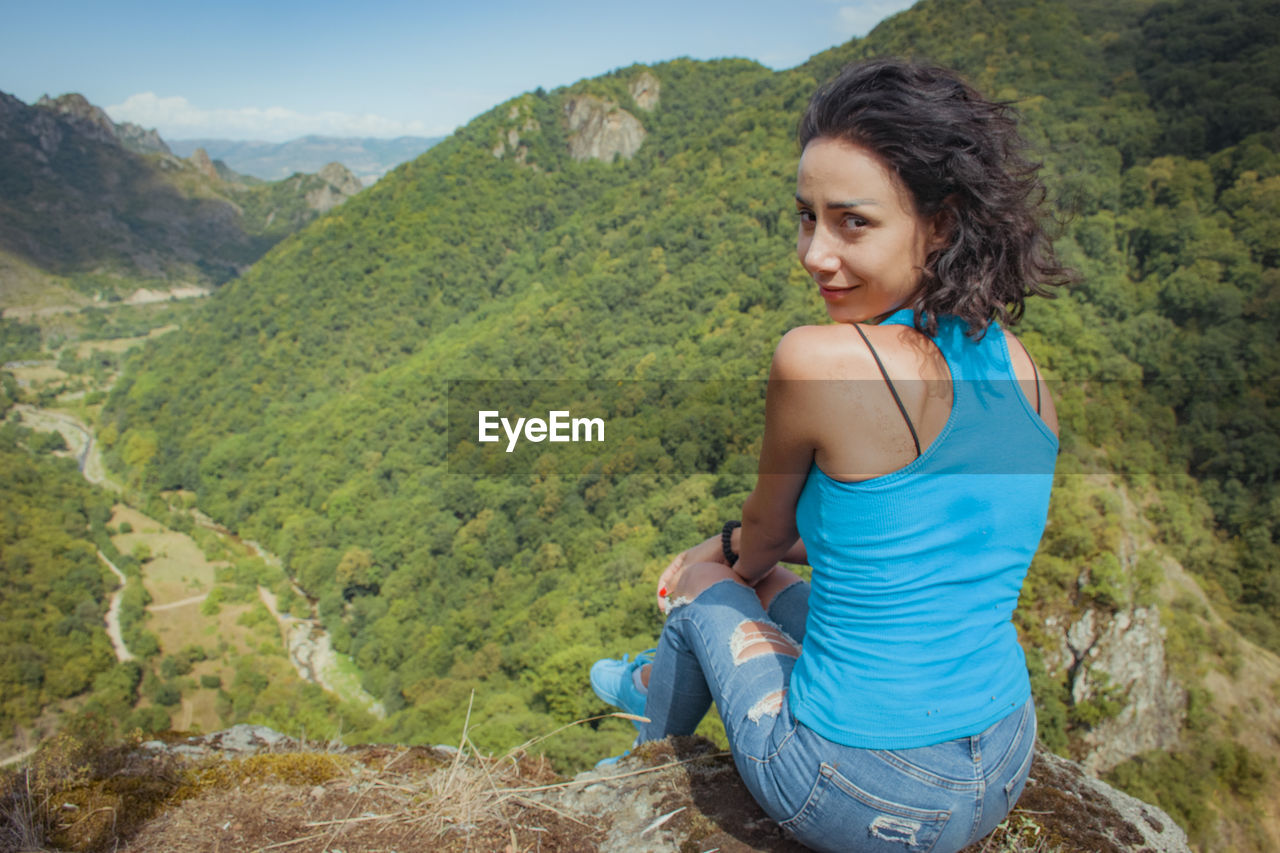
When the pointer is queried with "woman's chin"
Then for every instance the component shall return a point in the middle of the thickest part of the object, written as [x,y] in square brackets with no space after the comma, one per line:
[847,314]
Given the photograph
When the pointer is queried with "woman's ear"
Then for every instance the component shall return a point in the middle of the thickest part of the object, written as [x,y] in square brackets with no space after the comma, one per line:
[942,227]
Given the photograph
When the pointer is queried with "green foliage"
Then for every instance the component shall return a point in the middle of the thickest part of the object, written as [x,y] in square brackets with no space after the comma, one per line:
[18,341]
[149,720]
[1196,784]
[1212,71]
[52,642]
[46,442]
[1107,701]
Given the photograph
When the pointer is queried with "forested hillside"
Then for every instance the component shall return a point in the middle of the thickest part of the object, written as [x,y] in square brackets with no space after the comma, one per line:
[52,643]
[309,407]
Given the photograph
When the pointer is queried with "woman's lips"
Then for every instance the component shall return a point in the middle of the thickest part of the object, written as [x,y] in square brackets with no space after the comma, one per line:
[833,293]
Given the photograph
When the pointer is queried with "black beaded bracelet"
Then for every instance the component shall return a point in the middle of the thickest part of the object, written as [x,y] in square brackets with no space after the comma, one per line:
[726,539]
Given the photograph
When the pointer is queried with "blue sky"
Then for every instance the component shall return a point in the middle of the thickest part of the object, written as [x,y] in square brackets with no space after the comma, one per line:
[277,69]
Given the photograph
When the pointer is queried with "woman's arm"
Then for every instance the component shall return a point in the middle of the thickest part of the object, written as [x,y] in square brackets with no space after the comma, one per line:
[795,555]
[792,409]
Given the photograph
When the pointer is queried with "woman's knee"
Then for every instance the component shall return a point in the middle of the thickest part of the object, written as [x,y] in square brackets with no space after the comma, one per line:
[698,578]
[775,582]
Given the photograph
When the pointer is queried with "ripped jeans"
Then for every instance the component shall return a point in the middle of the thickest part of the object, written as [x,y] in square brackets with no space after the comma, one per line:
[830,797]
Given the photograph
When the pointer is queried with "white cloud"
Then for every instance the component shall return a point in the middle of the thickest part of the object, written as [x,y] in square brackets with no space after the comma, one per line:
[858,19]
[177,118]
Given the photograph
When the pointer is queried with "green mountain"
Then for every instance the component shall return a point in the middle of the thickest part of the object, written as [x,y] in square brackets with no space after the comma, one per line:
[636,228]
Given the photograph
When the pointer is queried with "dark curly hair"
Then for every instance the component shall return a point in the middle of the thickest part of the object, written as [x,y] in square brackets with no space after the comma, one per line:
[960,156]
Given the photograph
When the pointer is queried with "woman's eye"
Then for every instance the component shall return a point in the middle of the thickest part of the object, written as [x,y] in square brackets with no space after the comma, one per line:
[806,217]
[854,222]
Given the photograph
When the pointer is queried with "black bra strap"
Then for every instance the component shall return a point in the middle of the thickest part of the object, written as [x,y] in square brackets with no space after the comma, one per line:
[1033,370]
[892,390]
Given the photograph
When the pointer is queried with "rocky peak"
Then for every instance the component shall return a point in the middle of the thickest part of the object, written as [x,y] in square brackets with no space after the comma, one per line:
[90,120]
[95,123]
[338,185]
[601,130]
[200,159]
[340,178]
[140,139]
[645,90]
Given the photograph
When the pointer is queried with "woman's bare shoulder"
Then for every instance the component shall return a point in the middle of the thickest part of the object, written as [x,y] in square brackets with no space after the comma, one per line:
[1032,381]
[822,352]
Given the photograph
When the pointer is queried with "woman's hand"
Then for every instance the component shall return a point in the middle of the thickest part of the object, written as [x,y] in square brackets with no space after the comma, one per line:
[710,551]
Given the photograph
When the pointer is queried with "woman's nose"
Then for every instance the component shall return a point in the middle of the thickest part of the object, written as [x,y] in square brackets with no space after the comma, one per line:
[817,253]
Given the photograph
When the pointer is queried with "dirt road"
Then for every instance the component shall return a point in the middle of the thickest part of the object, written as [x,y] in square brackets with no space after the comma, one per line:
[113,613]
[79,439]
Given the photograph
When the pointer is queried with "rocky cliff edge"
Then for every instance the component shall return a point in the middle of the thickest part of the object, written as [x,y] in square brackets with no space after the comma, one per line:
[252,788]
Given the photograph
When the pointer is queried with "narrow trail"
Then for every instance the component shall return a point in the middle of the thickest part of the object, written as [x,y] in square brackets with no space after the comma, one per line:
[113,613]
[195,599]
[20,757]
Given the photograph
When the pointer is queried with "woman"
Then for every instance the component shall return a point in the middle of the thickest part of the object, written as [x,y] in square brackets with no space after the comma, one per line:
[907,457]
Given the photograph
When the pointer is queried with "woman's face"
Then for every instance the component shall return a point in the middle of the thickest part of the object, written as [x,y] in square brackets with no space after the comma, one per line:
[860,236]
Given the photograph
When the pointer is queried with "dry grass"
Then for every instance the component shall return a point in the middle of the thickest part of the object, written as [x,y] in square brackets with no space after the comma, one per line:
[371,799]
[78,795]
[22,824]
[177,569]
[38,375]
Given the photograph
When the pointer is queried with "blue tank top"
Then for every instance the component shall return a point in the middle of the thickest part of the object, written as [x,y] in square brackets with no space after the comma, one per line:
[916,574]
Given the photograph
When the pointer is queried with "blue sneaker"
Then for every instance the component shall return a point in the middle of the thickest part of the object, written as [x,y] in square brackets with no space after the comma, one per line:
[612,760]
[614,682]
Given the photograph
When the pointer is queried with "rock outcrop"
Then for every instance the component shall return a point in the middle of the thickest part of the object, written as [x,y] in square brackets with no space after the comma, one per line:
[339,184]
[141,140]
[200,159]
[694,799]
[601,130]
[515,140]
[671,795]
[1122,655]
[646,91]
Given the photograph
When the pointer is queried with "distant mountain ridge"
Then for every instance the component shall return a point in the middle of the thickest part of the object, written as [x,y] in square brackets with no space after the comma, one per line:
[75,107]
[368,158]
[97,207]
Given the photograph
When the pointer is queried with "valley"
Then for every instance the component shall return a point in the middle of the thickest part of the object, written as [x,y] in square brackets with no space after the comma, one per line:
[221,640]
